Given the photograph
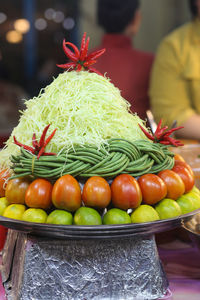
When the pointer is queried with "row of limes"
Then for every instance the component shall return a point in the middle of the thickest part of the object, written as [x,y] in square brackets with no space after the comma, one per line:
[165,209]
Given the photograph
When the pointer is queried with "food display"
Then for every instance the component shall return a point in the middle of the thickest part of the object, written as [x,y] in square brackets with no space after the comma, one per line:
[99,165]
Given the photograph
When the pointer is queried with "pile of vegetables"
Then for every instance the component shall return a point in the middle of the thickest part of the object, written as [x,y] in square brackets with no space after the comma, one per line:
[98,156]
[129,199]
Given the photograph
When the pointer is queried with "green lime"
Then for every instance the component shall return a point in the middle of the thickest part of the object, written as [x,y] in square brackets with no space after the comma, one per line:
[61,217]
[116,216]
[186,204]
[3,204]
[87,216]
[144,213]
[14,211]
[196,203]
[195,198]
[195,190]
[36,215]
[168,208]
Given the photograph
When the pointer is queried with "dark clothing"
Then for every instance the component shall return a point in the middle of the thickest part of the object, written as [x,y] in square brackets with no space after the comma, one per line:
[128,69]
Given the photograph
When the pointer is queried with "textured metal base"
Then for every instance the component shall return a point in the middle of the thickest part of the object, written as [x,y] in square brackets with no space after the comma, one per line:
[45,269]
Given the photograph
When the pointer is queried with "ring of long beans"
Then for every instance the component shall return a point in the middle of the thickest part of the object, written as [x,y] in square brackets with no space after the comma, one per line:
[116,157]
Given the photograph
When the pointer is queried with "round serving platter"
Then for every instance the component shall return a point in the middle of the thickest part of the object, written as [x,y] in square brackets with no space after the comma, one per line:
[96,232]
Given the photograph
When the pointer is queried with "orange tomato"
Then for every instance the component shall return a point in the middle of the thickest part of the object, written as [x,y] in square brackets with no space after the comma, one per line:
[186,174]
[16,190]
[174,183]
[178,157]
[39,194]
[4,175]
[125,192]
[66,193]
[96,192]
[184,164]
[153,188]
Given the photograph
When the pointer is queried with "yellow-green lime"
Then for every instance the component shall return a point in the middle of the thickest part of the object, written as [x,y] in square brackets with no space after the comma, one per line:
[168,208]
[144,213]
[14,211]
[3,204]
[195,190]
[61,217]
[116,216]
[195,197]
[87,216]
[36,215]
[186,204]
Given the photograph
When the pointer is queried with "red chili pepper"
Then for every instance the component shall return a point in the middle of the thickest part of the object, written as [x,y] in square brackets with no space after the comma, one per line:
[95,55]
[30,149]
[79,68]
[151,137]
[67,66]
[85,50]
[42,138]
[34,140]
[77,52]
[69,53]
[160,133]
[82,47]
[48,153]
[158,128]
[89,63]
[94,70]
[80,60]
[163,137]
[46,143]
[169,132]
[39,148]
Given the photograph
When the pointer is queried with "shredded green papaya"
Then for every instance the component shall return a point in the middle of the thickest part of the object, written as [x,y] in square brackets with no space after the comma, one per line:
[86,109]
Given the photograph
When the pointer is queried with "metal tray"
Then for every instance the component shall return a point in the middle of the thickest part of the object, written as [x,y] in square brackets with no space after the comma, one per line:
[96,232]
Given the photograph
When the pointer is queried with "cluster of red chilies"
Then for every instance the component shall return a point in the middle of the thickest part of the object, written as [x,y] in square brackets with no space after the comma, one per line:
[79,59]
[38,148]
[162,136]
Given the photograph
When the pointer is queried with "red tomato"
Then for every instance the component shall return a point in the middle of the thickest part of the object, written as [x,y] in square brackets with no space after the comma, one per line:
[153,188]
[66,193]
[96,192]
[16,190]
[183,170]
[183,163]
[178,157]
[4,175]
[125,192]
[39,194]
[174,183]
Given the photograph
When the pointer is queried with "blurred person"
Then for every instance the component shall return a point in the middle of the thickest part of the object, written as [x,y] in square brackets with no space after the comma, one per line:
[127,67]
[175,80]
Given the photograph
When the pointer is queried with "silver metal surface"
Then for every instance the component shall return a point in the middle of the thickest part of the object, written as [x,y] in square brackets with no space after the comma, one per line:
[120,269]
[193,228]
[151,120]
[95,232]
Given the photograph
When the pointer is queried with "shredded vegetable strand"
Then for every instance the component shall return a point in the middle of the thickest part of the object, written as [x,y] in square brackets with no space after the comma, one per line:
[86,109]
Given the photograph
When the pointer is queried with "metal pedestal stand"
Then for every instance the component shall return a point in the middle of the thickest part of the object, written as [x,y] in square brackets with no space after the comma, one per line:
[46,269]
[105,262]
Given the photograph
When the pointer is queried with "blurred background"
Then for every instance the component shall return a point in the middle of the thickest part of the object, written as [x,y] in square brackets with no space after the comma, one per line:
[31,34]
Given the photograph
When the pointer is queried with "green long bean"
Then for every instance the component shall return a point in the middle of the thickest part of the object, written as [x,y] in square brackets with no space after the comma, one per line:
[115,157]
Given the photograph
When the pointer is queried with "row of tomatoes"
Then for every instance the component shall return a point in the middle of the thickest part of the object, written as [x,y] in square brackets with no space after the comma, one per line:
[124,192]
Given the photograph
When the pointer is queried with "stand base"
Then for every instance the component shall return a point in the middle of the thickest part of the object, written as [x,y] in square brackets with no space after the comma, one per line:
[46,269]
